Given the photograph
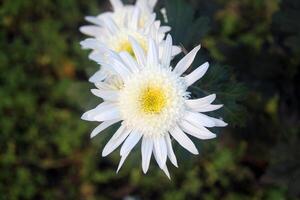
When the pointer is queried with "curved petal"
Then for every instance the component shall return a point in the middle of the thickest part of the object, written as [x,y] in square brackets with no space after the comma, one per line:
[186,61]
[198,132]
[199,119]
[199,103]
[196,74]
[183,140]
[209,108]
[103,126]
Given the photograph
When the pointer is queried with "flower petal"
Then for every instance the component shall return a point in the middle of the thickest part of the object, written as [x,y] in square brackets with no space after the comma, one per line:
[116,140]
[91,30]
[98,76]
[199,119]
[152,58]
[135,18]
[171,153]
[123,158]
[130,142]
[199,103]
[167,52]
[109,114]
[147,147]
[103,126]
[183,140]
[198,132]
[209,108]
[218,122]
[138,51]
[196,74]
[91,114]
[108,95]
[186,61]
[129,61]
[116,4]
[161,151]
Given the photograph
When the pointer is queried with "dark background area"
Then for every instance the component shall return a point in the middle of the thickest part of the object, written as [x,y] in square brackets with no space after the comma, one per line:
[45,151]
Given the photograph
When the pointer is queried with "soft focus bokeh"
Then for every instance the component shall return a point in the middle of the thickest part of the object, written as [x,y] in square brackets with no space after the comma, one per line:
[45,151]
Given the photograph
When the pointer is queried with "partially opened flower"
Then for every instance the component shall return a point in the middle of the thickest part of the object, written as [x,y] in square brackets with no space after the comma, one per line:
[152,103]
[112,31]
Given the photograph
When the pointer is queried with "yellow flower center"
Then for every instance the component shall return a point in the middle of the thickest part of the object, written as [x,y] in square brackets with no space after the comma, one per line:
[152,100]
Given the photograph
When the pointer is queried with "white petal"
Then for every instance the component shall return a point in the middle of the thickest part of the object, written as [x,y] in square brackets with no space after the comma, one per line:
[91,114]
[198,132]
[176,50]
[164,29]
[167,52]
[103,126]
[147,147]
[183,140]
[130,142]
[196,74]
[94,20]
[130,62]
[91,30]
[91,43]
[116,140]
[138,51]
[98,76]
[104,86]
[135,18]
[113,64]
[199,119]
[171,153]
[199,103]
[116,4]
[186,61]
[106,95]
[109,114]
[209,108]
[152,3]
[219,122]
[152,58]
[165,169]
[111,25]
[123,158]
[161,151]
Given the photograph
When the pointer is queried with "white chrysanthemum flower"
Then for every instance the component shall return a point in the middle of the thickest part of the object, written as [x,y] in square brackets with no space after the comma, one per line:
[123,15]
[152,103]
[112,33]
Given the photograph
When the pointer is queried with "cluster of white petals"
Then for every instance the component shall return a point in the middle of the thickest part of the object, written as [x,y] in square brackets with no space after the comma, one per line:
[140,89]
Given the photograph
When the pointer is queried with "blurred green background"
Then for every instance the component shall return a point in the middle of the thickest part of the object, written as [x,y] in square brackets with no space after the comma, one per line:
[45,150]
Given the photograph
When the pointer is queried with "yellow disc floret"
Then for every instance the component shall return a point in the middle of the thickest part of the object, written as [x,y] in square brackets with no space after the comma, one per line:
[152,100]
